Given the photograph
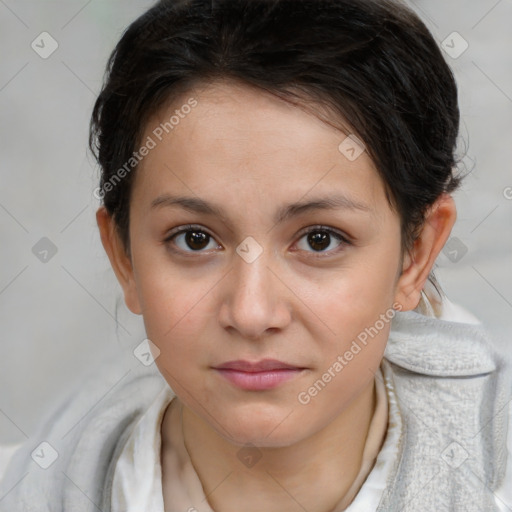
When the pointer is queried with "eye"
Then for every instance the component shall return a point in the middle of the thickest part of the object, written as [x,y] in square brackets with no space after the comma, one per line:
[320,238]
[191,239]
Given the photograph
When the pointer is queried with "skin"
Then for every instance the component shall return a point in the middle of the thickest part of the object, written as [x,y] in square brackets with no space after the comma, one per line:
[250,154]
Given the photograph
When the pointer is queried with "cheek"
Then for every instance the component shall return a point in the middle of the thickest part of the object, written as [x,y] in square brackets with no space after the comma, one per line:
[177,325]
[175,319]
[342,303]
[349,364]
[175,306]
[351,320]
[170,294]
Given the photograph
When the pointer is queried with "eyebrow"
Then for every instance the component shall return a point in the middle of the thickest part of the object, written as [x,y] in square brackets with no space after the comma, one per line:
[197,205]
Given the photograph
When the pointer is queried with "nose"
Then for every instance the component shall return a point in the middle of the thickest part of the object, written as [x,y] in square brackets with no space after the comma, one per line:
[255,300]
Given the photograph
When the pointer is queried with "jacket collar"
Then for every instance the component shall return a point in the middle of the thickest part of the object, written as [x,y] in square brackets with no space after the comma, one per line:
[443,348]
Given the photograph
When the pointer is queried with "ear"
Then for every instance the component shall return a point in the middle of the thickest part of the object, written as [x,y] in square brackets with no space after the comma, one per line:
[418,263]
[120,261]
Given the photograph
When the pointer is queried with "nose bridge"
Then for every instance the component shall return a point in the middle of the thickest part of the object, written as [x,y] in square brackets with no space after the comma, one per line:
[252,280]
[253,302]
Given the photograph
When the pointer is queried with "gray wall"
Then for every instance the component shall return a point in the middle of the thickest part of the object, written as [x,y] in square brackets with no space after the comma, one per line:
[58,316]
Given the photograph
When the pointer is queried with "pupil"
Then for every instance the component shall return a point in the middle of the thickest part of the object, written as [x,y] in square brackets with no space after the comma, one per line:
[319,240]
[196,237]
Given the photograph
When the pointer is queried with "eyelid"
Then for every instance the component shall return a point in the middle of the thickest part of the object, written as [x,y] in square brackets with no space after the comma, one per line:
[320,227]
[184,228]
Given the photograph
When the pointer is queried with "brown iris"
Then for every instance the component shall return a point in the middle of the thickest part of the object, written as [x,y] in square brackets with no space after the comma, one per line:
[319,240]
[196,239]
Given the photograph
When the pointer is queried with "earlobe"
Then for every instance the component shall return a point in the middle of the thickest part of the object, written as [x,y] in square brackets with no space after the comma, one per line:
[418,263]
[119,260]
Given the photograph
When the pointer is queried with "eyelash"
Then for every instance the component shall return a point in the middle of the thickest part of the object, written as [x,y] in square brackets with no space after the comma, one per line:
[344,241]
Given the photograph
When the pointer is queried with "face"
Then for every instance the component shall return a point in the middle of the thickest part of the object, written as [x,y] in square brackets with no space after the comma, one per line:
[254,237]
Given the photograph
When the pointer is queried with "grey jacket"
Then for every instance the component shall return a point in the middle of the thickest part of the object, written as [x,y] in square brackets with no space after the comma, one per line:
[453,392]
[451,387]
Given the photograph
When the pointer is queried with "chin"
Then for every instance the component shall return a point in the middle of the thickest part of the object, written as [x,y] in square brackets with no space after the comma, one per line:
[264,430]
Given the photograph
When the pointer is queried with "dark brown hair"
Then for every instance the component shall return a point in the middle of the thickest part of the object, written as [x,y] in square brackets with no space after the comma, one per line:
[371,62]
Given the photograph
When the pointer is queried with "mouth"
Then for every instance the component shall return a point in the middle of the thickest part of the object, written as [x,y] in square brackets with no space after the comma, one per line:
[258,376]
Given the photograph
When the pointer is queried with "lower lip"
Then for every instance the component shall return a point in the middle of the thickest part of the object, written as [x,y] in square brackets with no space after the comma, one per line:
[259,381]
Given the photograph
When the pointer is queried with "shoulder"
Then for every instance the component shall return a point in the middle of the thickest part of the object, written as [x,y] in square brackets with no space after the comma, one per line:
[441,338]
[453,389]
[440,347]
[67,460]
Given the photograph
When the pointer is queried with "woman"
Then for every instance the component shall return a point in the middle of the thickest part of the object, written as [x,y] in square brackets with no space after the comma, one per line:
[276,180]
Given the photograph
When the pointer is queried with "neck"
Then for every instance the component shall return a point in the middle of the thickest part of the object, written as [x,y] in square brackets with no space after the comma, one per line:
[314,474]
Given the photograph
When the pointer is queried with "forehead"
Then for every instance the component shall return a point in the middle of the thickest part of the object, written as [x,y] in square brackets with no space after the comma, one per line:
[240,140]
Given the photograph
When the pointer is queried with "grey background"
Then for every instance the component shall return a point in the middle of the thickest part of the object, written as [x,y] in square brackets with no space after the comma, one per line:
[58,318]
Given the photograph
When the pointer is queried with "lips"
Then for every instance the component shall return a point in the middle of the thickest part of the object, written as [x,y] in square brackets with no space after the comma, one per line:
[259,376]
[265,365]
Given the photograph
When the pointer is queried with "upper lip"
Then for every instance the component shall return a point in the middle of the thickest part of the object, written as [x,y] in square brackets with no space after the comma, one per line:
[258,366]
